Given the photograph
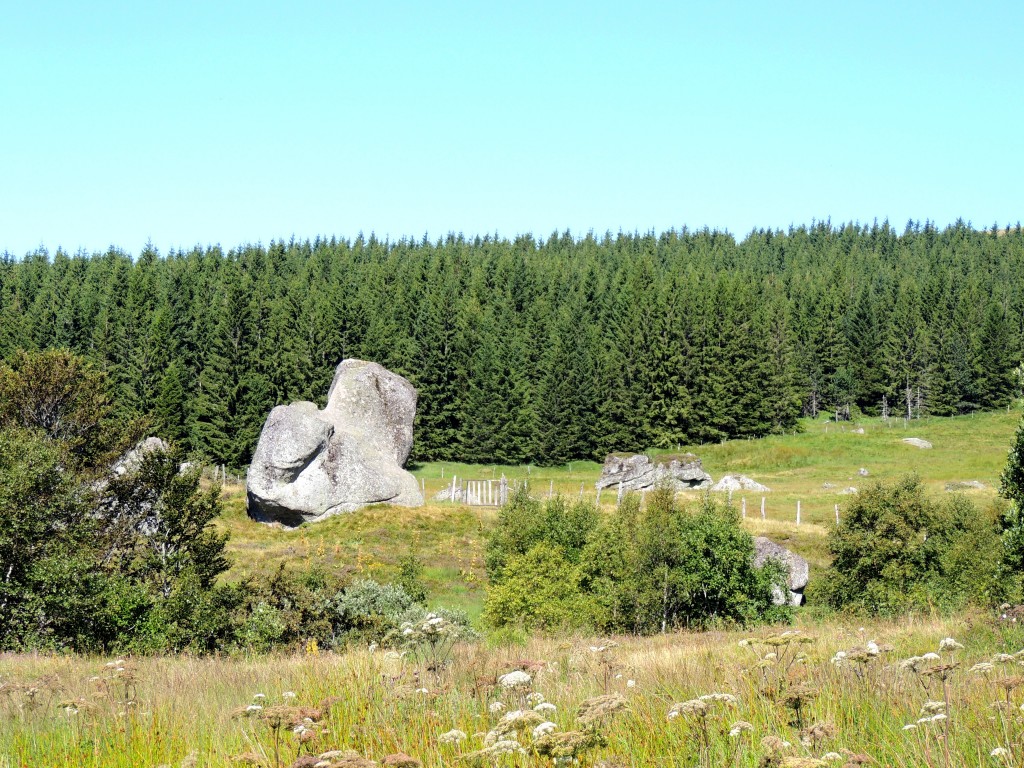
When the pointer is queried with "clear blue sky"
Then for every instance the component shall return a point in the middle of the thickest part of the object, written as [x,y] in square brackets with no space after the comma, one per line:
[210,122]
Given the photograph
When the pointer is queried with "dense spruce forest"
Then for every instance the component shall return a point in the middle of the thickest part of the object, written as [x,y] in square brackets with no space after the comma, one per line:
[543,351]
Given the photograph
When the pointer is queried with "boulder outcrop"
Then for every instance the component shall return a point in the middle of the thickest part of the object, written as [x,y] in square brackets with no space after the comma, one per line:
[311,463]
[799,570]
[917,442]
[636,472]
[132,460]
[738,483]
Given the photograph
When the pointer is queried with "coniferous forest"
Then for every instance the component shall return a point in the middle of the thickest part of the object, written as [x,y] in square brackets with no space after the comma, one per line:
[543,351]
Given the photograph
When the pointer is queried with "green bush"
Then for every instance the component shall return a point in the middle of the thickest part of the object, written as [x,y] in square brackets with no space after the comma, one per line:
[897,550]
[525,522]
[638,570]
[541,590]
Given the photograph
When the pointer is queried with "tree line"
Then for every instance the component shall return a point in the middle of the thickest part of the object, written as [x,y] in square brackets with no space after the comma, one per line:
[542,350]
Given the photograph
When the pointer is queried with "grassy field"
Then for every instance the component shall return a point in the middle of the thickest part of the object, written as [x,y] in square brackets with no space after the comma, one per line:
[790,699]
[812,466]
[831,691]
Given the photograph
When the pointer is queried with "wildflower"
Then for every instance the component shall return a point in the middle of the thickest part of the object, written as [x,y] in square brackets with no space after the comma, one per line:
[982,666]
[872,648]
[600,707]
[496,707]
[288,695]
[941,671]
[932,707]
[726,698]
[931,656]
[910,727]
[949,644]
[544,728]
[839,659]
[743,643]
[453,736]
[535,698]
[259,695]
[569,745]
[740,726]
[774,744]
[253,708]
[497,749]
[831,756]
[545,706]
[691,707]
[423,690]
[913,664]
[1000,752]
[516,679]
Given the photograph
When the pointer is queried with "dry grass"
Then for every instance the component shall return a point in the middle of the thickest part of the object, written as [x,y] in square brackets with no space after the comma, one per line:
[184,711]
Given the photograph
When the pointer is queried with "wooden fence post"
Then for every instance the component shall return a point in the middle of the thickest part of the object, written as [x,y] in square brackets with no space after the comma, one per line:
[837,514]
[762,508]
[798,511]
[743,508]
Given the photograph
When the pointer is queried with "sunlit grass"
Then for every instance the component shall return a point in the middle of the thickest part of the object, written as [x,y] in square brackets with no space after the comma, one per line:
[449,538]
[184,711]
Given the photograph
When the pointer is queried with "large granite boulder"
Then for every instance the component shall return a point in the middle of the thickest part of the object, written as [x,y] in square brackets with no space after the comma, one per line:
[799,570]
[311,463]
[636,472]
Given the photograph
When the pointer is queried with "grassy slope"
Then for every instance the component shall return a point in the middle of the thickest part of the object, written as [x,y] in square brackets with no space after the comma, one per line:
[449,537]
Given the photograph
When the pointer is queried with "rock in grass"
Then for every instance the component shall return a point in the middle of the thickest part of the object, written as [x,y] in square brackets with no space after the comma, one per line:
[738,483]
[797,567]
[311,463]
[965,485]
[636,472]
[917,442]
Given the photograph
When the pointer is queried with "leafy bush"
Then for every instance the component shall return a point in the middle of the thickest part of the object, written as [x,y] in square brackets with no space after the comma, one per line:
[897,550]
[525,522]
[638,570]
[541,590]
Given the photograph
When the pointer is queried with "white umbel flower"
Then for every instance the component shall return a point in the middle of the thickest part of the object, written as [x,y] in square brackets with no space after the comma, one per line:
[516,679]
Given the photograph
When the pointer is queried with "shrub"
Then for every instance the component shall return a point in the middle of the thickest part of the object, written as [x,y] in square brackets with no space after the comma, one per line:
[668,566]
[524,522]
[638,570]
[541,590]
[897,550]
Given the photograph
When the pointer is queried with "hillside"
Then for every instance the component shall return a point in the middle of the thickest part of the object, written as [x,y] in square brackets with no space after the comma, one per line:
[449,538]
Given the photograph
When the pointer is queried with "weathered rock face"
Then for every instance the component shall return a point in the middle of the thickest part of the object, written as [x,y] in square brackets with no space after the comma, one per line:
[636,472]
[738,483]
[917,441]
[132,460]
[799,570]
[310,464]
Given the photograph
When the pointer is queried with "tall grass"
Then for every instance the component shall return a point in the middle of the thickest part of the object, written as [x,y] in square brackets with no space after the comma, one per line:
[71,711]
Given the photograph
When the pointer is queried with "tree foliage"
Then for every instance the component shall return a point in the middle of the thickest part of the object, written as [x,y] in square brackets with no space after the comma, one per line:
[541,350]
